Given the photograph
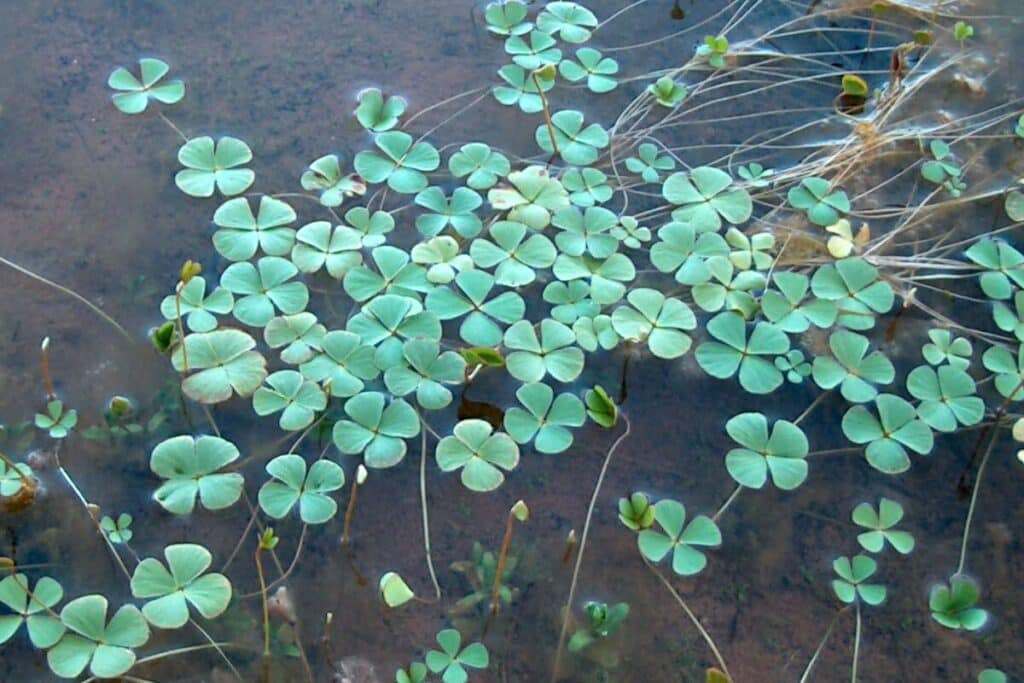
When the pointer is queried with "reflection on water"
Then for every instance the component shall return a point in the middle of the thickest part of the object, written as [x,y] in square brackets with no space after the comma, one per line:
[86,198]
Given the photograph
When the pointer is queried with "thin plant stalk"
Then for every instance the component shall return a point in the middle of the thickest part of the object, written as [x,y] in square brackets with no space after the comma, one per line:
[44,365]
[567,612]
[547,113]
[423,509]
[349,512]
[70,292]
[693,617]
[974,498]
[506,543]
[570,546]
[265,672]
[856,647]
[821,646]
[181,326]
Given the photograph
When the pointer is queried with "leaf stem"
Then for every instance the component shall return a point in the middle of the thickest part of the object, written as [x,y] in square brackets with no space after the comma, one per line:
[567,612]
[974,499]
[693,617]
[506,542]
[44,365]
[547,114]
[856,647]
[423,508]
[727,503]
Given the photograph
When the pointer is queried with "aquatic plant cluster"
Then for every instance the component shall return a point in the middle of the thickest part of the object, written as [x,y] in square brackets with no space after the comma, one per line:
[482,262]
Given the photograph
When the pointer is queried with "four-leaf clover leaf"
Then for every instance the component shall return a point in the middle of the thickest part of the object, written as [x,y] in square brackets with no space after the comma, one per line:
[135,94]
[106,647]
[190,466]
[292,483]
[479,453]
[378,429]
[880,523]
[852,574]
[576,144]
[781,453]
[32,608]
[178,584]
[213,165]
[679,538]
[706,198]
[890,434]
[451,661]
[546,418]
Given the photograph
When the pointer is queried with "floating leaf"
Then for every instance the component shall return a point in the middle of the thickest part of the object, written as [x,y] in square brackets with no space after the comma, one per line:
[292,483]
[853,370]
[822,204]
[402,165]
[553,353]
[451,661]
[57,421]
[394,591]
[298,399]
[569,20]
[657,320]
[377,429]
[377,114]
[593,67]
[546,419]
[853,573]
[706,198]
[481,166]
[241,233]
[781,453]
[210,165]
[734,351]
[197,309]
[31,606]
[222,362]
[576,144]
[427,372]
[679,538]
[468,299]
[177,585]
[953,605]
[880,523]
[324,174]
[890,434]
[106,648]
[262,288]
[479,453]
[190,466]
[135,94]
[947,397]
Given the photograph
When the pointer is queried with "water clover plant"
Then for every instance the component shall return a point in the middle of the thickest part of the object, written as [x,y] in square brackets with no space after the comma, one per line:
[728,288]
[636,512]
[522,88]
[479,453]
[569,20]
[603,620]
[600,407]
[943,347]
[452,659]
[659,321]
[394,275]
[795,365]
[222,362]
[105,647]
[1009,372]
[388,320]
[586,232]
[377,429]
[941,170]
[705,198]
[442,255]
[31,606]
[296,398]
[648,165]
[292,483]
[714,49]
[681,248]
[947,397]
[512,254]
[324,174]
[631,233]
[545,419]
[343,364]
[377,114]
[402,164]
[299,334]
[855,288]
[532,197]
[992,676]
[667,92]
[170,589]
[241,233]
[593,332]
[118,531]
[213,165]
[587,186]
[735,351]
[853,573]
[417,671]
[679,538]
[456,211]
[394,590]
[534,51]
[853,369]
[1011,320]
[135,94]
[554,353]
[571,301]
[264,288]
[755,174]
[1004,267]
[880,523]
[606,277]
[888,435]
[595,68]
[781,453]
[789,307]
[426,373]
[469,299]
[57,421]
[481,166]
[822,204]
[198,310]
[507,17]
[575,143]
[190,466]
[953,604]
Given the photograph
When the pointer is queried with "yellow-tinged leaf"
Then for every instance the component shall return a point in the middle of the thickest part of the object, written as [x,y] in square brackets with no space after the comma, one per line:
[716,676]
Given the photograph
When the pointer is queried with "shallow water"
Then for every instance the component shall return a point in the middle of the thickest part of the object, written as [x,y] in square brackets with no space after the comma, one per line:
[87,199]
